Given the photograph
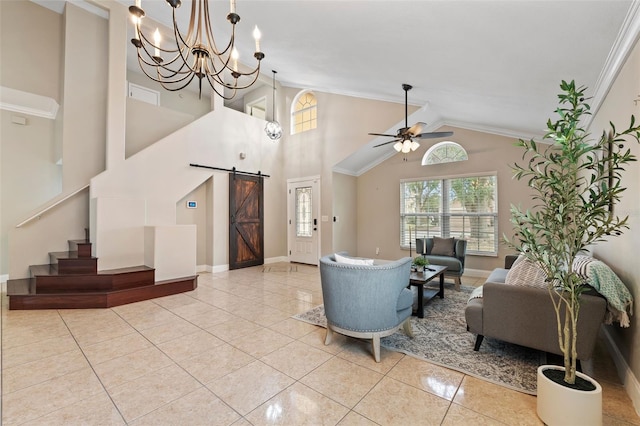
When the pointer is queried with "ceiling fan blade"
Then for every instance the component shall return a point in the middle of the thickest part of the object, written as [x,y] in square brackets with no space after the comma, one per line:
[416,129]
[382,134]
[387,143]
[433,135]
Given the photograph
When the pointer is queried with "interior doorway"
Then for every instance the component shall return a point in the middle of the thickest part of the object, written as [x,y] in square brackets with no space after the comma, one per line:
[303,219]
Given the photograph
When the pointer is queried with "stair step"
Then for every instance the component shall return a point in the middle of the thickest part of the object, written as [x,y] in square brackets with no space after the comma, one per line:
[105,299]
[21,286]
[50,280]
[69,262]
[83,247]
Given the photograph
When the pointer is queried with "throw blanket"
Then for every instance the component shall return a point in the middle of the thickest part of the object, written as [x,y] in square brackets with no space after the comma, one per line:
[604,281]
[607,283]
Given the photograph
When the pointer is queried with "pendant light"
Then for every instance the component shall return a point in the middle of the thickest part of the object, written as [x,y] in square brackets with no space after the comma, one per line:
[273,128]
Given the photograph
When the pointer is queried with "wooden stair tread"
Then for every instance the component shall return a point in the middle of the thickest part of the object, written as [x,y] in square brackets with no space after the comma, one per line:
[106,299]
[127,270]
[69,255]
[21,286]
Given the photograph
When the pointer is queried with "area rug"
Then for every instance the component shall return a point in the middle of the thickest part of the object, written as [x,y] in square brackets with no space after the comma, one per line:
[441,338]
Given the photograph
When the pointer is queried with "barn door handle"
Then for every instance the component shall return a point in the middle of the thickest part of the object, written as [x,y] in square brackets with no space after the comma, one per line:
[233,218]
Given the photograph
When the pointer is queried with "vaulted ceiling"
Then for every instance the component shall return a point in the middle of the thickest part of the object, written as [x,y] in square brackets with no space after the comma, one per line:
[493,66]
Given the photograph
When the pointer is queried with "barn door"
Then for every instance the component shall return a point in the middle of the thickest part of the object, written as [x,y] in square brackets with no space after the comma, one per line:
[246,221]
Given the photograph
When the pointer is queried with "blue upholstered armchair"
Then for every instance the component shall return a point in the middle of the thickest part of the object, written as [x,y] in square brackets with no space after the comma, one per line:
[365,301]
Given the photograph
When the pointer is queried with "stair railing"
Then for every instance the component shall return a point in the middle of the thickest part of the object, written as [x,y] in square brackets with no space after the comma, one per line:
[46,209]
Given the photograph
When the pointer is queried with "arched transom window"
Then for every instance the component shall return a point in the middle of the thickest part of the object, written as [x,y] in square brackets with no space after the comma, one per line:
[304,113]
[444,152]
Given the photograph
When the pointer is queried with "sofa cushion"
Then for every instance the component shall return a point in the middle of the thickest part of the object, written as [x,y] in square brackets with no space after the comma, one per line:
[498,275]
[526,273]
[452,263]
[352,260]
[443,246]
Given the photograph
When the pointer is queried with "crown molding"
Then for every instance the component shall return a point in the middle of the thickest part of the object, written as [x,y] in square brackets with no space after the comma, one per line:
[620,51]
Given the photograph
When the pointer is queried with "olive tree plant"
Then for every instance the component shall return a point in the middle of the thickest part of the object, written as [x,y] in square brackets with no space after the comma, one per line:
[576,182]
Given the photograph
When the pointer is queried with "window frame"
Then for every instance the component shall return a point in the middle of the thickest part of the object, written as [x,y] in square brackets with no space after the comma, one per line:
[294,112]
[444,215]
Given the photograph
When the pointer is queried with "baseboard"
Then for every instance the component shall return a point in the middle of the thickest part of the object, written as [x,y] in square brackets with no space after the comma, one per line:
[476,273]
[219,268]
[203,268]
[629,381]
[276,259]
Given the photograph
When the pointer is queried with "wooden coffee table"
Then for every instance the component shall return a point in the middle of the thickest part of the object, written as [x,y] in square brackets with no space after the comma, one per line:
[420,279]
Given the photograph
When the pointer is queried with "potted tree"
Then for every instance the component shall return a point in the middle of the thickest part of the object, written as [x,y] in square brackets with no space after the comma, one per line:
[576,182]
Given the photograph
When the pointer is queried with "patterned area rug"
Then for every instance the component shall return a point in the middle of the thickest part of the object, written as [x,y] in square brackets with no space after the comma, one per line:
[441,338]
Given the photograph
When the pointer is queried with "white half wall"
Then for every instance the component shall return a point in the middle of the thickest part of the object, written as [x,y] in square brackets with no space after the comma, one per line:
[171,250]
[118,225]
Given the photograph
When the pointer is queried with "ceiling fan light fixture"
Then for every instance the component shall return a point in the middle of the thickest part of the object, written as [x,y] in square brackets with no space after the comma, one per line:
[404,137]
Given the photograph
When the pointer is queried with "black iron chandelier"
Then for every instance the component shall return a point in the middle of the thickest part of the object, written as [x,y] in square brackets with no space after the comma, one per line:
[194,54]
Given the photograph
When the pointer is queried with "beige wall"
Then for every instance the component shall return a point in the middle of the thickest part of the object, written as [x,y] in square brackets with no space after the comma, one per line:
[28,153]
[345,213]
[343,124]
[148,123]
[28,45]
[84,103]
[184,101]
[197,217]
[379,192]
[621,253]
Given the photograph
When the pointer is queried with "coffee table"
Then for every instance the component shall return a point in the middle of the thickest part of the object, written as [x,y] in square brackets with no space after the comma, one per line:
[420,279]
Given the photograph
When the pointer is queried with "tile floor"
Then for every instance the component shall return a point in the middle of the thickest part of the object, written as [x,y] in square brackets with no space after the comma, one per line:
[229,353]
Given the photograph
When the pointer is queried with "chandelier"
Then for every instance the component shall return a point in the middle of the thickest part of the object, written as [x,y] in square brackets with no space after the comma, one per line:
[194,54]
[273,128]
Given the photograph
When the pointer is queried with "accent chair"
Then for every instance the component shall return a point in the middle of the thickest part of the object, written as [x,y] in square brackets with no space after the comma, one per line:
[366,301]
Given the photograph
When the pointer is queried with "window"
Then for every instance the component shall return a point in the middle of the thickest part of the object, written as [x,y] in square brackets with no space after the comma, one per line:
[304,112]
[444,152]
[303,212]
[462,207]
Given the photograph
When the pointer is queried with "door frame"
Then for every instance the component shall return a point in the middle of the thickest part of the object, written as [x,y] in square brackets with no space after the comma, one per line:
[318,210]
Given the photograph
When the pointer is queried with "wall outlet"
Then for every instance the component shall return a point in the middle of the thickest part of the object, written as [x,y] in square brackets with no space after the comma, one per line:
[377,251]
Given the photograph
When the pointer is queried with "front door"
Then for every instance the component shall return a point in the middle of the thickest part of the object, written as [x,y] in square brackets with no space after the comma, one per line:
[303,206]
[246,221]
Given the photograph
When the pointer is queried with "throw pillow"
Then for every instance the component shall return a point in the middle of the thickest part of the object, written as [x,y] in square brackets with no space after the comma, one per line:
[352,260]
[443,246]
[526,273]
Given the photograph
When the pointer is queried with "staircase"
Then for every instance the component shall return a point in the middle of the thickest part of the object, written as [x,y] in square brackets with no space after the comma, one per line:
[71,281]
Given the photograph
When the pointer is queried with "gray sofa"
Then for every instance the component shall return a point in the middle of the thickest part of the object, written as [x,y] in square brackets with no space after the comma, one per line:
[525,315]
[366,301]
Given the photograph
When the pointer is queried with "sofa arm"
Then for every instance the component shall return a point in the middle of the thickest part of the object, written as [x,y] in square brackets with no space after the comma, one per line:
[526,316]
[509,259]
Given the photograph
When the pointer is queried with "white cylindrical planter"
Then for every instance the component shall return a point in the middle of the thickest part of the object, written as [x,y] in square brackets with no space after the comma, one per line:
[561,405]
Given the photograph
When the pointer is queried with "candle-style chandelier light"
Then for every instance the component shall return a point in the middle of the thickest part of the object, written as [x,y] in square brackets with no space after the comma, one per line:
[194,54]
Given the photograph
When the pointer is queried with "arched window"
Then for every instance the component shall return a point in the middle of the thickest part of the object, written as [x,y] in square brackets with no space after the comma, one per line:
[444,152]
[304,112]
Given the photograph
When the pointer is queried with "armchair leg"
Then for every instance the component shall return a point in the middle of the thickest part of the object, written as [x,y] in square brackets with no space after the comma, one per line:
[479,339]
[407,327]
[376,347]
[328,336]
[458,282]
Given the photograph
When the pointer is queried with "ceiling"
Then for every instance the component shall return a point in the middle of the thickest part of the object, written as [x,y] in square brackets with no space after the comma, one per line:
[493,66]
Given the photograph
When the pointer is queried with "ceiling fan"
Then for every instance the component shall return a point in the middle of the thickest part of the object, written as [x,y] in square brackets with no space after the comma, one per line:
[404,139]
